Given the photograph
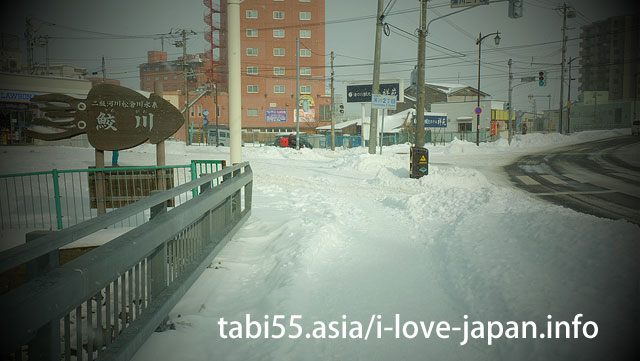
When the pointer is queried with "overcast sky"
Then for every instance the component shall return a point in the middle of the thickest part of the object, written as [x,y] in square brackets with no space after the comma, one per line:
[350,34]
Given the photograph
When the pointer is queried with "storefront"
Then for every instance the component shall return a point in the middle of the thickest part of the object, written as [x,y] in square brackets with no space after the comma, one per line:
[16,110]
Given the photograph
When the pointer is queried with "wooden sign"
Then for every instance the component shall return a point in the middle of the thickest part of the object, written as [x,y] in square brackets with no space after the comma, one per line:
[123,187]
[112,116]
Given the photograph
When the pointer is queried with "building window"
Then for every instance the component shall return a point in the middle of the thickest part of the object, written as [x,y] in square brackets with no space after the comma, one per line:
[278,51]
[157,77]
[252,89]
[252,14]
[305,89]
[305,1]
[175,87]
[278,70]
[252,70]
[199,110]
[148,78]
[192,111]
[325,112]
[278,15]
[305,53]
[252,51]
[252,33]
[305,34]
[166,77]
[278,33]
[165,87]
[305,71]
[278,89]
[175,77]
[252,112]
[305,15]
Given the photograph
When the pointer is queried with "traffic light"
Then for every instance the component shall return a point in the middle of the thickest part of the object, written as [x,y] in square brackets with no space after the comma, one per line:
[515,9]
[341,108]
[541,80]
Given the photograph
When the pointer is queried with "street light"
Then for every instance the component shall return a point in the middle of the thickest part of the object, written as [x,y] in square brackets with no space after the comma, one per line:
[479,43]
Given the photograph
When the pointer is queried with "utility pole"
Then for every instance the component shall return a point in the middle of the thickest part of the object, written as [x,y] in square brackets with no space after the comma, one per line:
[187,141]
[28,34]
[564,10]
[333,120]
[375,89]
[217,111]
[104,71]
[571,60]
[297,92]
[509,124]
[422,40]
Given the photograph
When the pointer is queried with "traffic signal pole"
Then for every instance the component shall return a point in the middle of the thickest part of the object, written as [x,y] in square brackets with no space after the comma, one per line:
[422,40]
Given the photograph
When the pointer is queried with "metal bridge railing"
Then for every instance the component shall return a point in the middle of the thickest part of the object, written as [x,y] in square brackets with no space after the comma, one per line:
[58,199]
[105,303]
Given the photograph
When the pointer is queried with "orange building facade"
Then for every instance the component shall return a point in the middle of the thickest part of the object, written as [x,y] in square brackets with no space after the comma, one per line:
[269,29]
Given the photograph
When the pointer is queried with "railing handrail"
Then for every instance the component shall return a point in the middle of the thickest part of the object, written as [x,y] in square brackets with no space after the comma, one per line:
[41,246]
[88,170]
[71,284]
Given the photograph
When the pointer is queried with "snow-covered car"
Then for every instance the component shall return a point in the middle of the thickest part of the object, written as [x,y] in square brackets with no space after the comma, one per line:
[635,127]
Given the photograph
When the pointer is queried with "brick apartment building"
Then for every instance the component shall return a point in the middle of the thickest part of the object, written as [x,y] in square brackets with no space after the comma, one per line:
[268,43]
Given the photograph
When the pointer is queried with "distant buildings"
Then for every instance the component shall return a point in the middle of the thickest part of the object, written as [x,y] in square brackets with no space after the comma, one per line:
[610,57]
[269,29]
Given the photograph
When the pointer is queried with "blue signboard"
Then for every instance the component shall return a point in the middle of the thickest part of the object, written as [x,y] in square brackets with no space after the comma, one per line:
[276,115]
[433,121]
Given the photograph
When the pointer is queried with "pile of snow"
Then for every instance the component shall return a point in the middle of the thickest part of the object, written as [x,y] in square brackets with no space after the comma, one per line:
[348,233]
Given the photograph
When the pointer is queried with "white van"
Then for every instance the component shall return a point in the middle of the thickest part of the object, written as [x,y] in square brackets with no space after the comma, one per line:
[224,137]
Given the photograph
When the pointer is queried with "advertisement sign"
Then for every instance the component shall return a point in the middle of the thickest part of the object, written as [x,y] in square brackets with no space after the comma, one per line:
[276,115]
[361,93]
[463,3]
[494,128]
[433,121]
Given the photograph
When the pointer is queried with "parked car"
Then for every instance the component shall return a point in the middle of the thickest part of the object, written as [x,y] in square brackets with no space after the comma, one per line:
[224,137]
[635,127]
[304,140]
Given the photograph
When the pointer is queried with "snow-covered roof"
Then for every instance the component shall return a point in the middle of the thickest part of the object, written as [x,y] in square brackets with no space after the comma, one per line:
[448,88]
[339,125]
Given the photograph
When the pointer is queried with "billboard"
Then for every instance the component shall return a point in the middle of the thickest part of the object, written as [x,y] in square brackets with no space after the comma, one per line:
[361,93]
[276,115]
[433,121]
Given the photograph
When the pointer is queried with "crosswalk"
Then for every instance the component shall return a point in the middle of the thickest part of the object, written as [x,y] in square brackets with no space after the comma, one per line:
[565,178]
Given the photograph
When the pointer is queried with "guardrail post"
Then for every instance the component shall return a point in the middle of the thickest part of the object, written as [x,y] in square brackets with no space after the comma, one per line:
[46,344]
[158,259]
[56,197]
[194,176]
[235,199]
[248,193]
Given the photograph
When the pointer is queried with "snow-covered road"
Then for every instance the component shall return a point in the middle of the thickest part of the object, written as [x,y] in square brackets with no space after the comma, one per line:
[348,233]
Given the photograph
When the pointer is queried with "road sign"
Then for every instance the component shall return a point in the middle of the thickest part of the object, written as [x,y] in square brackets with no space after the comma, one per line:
[205,113]
[205,122]
[379,101]
[527,79]
[478,110]
[463,3]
